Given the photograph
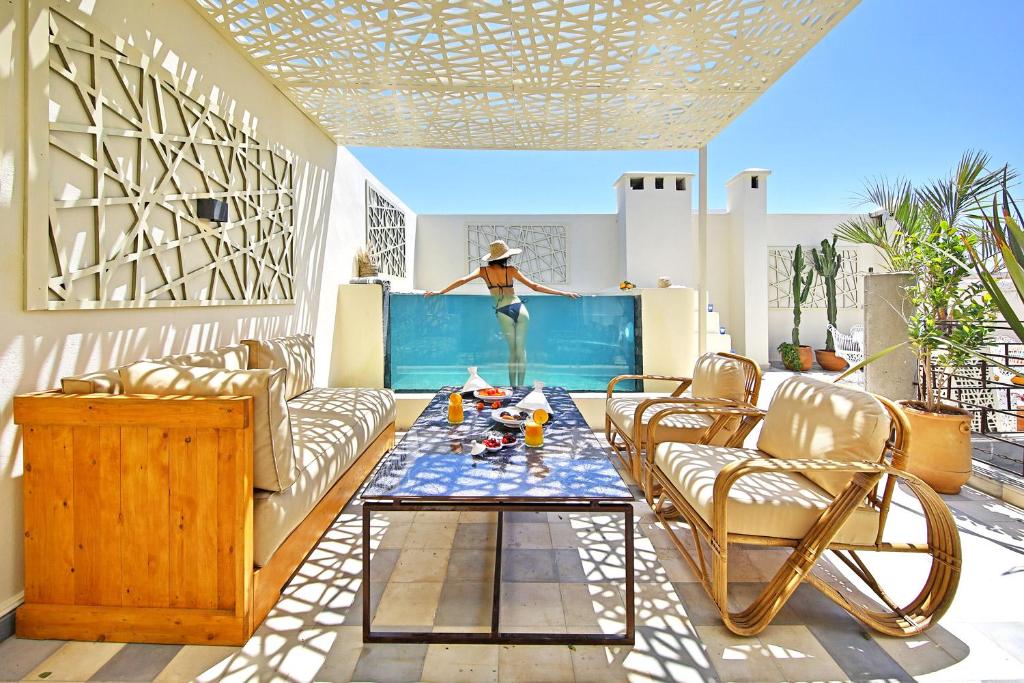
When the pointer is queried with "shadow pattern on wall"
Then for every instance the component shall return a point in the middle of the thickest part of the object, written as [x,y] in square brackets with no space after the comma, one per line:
[545,251]
[125,152]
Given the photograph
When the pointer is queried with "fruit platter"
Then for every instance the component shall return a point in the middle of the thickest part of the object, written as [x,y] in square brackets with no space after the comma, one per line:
[492,394]
[495,440]
[510,416]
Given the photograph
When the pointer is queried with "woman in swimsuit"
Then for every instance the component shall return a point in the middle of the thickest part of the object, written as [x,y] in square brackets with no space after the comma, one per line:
[513,318]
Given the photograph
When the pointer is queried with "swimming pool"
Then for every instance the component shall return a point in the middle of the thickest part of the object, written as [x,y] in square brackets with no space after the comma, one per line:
[577,344]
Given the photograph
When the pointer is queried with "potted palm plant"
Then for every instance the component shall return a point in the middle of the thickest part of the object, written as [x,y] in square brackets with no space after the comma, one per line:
[951,309]
[827,263]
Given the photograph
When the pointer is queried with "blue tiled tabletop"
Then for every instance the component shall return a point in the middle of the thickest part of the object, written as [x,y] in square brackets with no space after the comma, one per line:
[433,461]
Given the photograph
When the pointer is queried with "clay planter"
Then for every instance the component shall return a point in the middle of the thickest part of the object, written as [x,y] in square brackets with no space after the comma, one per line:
[940,446]
[806,358]
[828,360]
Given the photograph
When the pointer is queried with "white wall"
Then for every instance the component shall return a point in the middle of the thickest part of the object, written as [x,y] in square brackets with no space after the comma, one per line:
[659,235]
[38,348]
[594,266]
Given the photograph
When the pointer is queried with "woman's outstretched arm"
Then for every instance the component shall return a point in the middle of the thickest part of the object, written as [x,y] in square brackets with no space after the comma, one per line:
[455,285]
[539,287]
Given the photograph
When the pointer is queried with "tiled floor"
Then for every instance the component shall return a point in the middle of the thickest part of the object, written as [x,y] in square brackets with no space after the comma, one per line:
[564,572]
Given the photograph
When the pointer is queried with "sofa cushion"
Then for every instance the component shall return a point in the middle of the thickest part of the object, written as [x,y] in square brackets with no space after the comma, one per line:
[103,382]
[233,357]
[273,460]
[330,429]
[294,354]
[716,376]
[808,418]
[775,504]
[689,428]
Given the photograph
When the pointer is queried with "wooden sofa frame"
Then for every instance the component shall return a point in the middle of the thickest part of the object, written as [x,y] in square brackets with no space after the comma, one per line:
[628,447]
[138,519]
[873,484]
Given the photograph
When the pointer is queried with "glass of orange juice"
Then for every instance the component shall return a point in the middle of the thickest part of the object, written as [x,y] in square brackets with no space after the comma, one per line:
[533,433]
[455,412]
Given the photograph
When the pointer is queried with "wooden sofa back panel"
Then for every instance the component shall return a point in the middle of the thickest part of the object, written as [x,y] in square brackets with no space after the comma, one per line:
[150,512]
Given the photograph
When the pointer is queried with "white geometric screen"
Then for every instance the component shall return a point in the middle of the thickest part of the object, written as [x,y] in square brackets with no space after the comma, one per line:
[385,233]
[125,151]
[524,74]
[780,280]
[544,248]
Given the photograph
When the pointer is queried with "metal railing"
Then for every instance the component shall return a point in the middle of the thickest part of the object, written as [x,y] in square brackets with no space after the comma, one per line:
[995,398]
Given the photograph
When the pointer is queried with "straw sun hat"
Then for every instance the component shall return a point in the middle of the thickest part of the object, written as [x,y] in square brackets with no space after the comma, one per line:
[499,250]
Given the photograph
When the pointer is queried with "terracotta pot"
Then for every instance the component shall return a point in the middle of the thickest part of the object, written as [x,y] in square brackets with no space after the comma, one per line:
[828,360]
[940,446]
[806,357]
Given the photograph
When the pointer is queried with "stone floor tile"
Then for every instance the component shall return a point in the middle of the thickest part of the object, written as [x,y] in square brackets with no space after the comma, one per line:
[390,663]
[394,536]
[408,604]
[476,536]
[382,564]
[593,604]
[535,663]
[465,604]
[478,517]
[19,656]
[530,536]
[137,662]
[197,663]
[569,565]
[520,565]
[536,605]
[799,655]
[421,564]
[461,664]
[970,654]
[74,662]
[737,658]
[438,516]
[564,536]
[341,655]
[470,565]
[516,517]
[424,534]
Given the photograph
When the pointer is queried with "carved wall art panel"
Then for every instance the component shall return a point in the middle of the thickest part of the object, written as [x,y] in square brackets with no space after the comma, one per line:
[780,280]
[385,233]
[545,252]
[124,152]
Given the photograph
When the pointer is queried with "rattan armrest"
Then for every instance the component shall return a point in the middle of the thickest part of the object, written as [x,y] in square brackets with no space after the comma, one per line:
[684,382]
[720,413]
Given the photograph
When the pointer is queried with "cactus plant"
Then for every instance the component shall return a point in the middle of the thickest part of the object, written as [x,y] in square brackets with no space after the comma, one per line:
[826,264]
[801,289]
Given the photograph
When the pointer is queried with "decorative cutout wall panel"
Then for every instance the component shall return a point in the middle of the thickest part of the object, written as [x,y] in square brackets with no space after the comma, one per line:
[528,74]
[780,280]
[544,256]
[124,152]
[385,233]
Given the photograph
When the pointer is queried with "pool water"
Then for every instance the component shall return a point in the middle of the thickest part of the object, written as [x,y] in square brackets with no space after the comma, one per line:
[577,344]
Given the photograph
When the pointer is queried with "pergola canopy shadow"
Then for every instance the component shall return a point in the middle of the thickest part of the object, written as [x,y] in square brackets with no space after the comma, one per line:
[524,74]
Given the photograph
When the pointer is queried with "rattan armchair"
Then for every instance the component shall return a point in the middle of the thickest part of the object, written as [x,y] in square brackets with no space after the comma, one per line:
[835,500]
[722,379]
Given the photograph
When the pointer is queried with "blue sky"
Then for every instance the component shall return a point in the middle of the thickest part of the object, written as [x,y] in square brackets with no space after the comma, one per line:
[900,87]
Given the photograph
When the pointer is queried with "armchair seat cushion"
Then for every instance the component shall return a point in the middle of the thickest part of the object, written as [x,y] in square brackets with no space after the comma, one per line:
[773,504]
[622,412]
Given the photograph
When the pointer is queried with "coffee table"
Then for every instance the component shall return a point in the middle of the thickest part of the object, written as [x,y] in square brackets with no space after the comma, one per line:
[431,469]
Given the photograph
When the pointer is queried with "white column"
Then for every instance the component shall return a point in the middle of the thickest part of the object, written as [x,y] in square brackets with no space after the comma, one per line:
[702,250]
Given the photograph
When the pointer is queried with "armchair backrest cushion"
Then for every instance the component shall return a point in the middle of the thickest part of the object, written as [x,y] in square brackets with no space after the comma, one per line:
[274,466]
[294,354]
[810,419]
[717,376]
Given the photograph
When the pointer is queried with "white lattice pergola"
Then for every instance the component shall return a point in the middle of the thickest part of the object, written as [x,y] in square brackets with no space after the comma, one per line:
[525,74]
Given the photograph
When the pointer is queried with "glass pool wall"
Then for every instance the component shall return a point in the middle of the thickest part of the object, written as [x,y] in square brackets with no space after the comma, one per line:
[577,344]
